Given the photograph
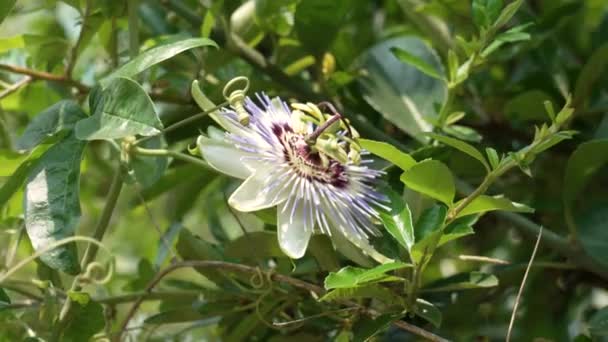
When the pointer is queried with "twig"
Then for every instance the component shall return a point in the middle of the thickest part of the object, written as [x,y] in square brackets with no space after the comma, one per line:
[74,52]
[483,259]
[16,86]
[42,75]
[232,267]
[521,287]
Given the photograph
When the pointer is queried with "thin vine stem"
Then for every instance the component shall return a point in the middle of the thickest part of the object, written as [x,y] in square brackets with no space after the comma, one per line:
[168,153]
[91,252]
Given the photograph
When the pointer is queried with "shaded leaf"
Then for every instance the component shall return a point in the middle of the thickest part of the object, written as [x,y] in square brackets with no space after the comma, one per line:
[463,147]
[5,8]
[598,324]
[4,299]
[431,178]
[428,311]
[266,245]
[463,281]
[389,152]
[590,74]
[401,93]
[125,110]
[317,22]
[191,247]
[52,202]
[147,170]
[85,319]
[154,56]
[60,117]
[365,329]
[460,227]
[592,232]
[584,162]
[428,232]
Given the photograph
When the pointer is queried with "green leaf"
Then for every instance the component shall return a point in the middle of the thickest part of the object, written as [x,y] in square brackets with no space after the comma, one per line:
[493,157]
[366,328]
[18,176]
[60,117]
[416,62]
[485,12]
[5,8]
[463,281]
[401,93]
[511,36]
[400,226]
[462,133]
[460,227]
[52,202]
[317,22]
[4,299]
[590,74]
[389,152]
[266,246]
[484,203]
[147,170]
[584,162]
[10,161]
[321,249]
[428,311]
[10,43]
[431,178]
[165,244]
[428,232]
[350,276]
[507,13]
[145,273]
[126,110]
[592,232]
[191,247]
[84,320]
[598,324]
[275,15]
[154,56]
[368,291]
[528,106]
[463,147]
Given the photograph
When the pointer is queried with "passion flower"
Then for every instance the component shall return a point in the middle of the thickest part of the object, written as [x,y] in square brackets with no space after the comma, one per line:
[305,162]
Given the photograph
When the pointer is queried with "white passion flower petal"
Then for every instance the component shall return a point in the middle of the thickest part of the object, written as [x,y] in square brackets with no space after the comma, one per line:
[293,229]
[254,194]
[223,157]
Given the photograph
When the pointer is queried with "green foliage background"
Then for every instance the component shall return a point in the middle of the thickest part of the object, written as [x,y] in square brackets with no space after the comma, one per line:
[461,100]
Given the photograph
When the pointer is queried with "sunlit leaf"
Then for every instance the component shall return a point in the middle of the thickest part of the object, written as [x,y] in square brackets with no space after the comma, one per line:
[389,152]
[431,178]
[154,56]
[52,202]
[353,276]
[485,203]
[126,110]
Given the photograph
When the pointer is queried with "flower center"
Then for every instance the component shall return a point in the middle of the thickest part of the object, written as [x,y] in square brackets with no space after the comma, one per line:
[312,165]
